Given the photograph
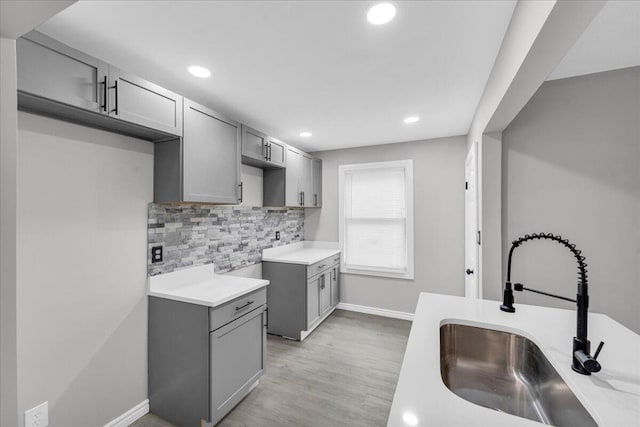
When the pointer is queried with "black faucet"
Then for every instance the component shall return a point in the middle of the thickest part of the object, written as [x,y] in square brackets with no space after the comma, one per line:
[583,362]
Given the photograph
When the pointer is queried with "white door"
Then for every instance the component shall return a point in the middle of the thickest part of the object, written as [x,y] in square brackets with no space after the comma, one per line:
[471,285]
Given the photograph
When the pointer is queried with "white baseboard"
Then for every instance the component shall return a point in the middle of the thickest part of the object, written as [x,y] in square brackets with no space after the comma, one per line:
[376,311]
[132,415]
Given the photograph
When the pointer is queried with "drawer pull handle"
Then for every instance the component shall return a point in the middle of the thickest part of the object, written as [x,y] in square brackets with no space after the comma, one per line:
[320,267]
[244,306]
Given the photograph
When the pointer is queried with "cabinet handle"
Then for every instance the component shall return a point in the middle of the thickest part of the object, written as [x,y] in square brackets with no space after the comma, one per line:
[265,148]
[104,93]
[321,266]
[301,202]
[241,190]
[322,280]
[303,198]
[115,86]
[269,147]
[315,199]
[335,274]
[244,306]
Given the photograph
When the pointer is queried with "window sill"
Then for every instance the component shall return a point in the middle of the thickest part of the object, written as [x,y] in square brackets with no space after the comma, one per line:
[403,276]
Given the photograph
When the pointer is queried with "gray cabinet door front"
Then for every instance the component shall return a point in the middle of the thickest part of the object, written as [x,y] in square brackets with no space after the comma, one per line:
[313,300]
[51,70]
[292,175]
[317,183]
[138,101]
[237,361]
[325,293]
[306,179]
[335,285]
[254,144]
[211,156]
[277,152]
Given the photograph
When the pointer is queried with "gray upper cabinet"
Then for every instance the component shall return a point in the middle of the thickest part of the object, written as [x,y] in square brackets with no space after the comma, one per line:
[296,185]
[202,167]
[260,150]
[317,183]
[51,70]
[138,101]
[277,151]
[59,81]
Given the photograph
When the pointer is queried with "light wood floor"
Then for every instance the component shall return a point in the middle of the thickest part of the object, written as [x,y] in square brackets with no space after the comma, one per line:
[343,374]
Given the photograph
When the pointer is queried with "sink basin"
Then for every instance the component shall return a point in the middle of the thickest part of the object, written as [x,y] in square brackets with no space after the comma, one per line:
[508,373]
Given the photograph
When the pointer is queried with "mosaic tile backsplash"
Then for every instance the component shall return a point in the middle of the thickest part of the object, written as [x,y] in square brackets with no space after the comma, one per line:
[231,237]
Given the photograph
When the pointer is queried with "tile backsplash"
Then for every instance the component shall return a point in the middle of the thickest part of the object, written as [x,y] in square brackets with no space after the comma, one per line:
[231,237]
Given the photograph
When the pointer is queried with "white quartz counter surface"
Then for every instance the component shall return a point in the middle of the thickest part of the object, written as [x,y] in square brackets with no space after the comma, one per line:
[306,253]
[200,285]
[612,396]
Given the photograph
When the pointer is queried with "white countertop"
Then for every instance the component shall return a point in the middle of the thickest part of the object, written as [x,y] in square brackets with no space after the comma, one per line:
[306,252]
[612,396]
[200,285]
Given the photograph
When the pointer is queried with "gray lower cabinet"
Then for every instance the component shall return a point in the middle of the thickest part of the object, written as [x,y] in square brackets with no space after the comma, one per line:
[202,167]
[203,361]
[59,81]
[299,296]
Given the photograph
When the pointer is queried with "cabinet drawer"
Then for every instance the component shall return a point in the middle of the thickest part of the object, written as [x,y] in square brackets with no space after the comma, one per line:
[233,309]
[320,266]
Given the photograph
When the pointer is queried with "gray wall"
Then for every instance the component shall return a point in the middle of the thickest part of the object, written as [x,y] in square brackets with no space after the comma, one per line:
[81,249]
[438,170]
[8,147]
[571,165]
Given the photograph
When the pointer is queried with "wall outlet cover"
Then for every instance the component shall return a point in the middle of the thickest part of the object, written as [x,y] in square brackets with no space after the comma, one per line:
[38,416]
[156,254]
[277,235]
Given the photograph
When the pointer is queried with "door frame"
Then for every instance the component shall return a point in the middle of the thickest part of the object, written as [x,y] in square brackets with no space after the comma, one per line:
[473,283]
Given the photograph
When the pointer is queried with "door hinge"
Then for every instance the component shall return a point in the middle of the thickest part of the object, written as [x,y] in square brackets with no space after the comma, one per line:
[466,185]
[479,237]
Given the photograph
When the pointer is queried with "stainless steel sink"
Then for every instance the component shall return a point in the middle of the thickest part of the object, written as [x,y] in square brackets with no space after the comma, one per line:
[508,373]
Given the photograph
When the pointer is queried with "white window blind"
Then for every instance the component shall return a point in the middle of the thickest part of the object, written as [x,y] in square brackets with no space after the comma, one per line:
[376,218]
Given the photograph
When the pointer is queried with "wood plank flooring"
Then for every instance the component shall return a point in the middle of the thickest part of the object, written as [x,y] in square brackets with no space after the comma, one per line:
[343,374]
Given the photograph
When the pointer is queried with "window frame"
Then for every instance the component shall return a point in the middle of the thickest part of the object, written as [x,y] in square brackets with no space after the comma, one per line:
[407,165]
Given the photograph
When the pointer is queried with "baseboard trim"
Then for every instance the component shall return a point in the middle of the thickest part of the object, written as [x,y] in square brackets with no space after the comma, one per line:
[376,311]
[132,415]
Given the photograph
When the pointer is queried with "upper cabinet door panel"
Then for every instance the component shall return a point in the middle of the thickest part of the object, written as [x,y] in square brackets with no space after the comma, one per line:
[138,101]
[317,183]
[211,156]
[55,71]
[277,152]
[292,175]
[306,179]
[254,144]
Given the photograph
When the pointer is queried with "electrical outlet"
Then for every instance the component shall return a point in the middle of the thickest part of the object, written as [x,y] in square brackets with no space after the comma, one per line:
[156,254]
[277,235]
[38,416]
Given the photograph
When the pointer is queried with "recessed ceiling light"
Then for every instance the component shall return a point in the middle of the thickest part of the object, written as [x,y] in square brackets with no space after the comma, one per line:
[410,419]
[411,119]
[305,134]
[381,13]
[199,71]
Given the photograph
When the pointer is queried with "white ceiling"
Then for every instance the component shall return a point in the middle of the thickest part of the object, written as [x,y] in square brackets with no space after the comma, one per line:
[289,66]
[612,41]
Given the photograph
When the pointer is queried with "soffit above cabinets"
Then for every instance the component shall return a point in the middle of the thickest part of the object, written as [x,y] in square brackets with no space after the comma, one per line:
[319,66]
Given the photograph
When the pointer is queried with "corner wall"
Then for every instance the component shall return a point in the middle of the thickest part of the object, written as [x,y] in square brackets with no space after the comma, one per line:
[571,166]
[438,170]
[81,252]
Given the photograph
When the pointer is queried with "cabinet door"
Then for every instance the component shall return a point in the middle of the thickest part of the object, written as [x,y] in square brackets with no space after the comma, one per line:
[138,101]
[237,361]
[313,300]
[306,180]
[325,293]
[317,183]
[277,152]
[51,70]
[254,144]
[211,156]
[293,195]
[335,285]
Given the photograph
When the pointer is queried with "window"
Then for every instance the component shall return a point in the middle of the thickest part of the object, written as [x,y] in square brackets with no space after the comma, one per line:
[376,218]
